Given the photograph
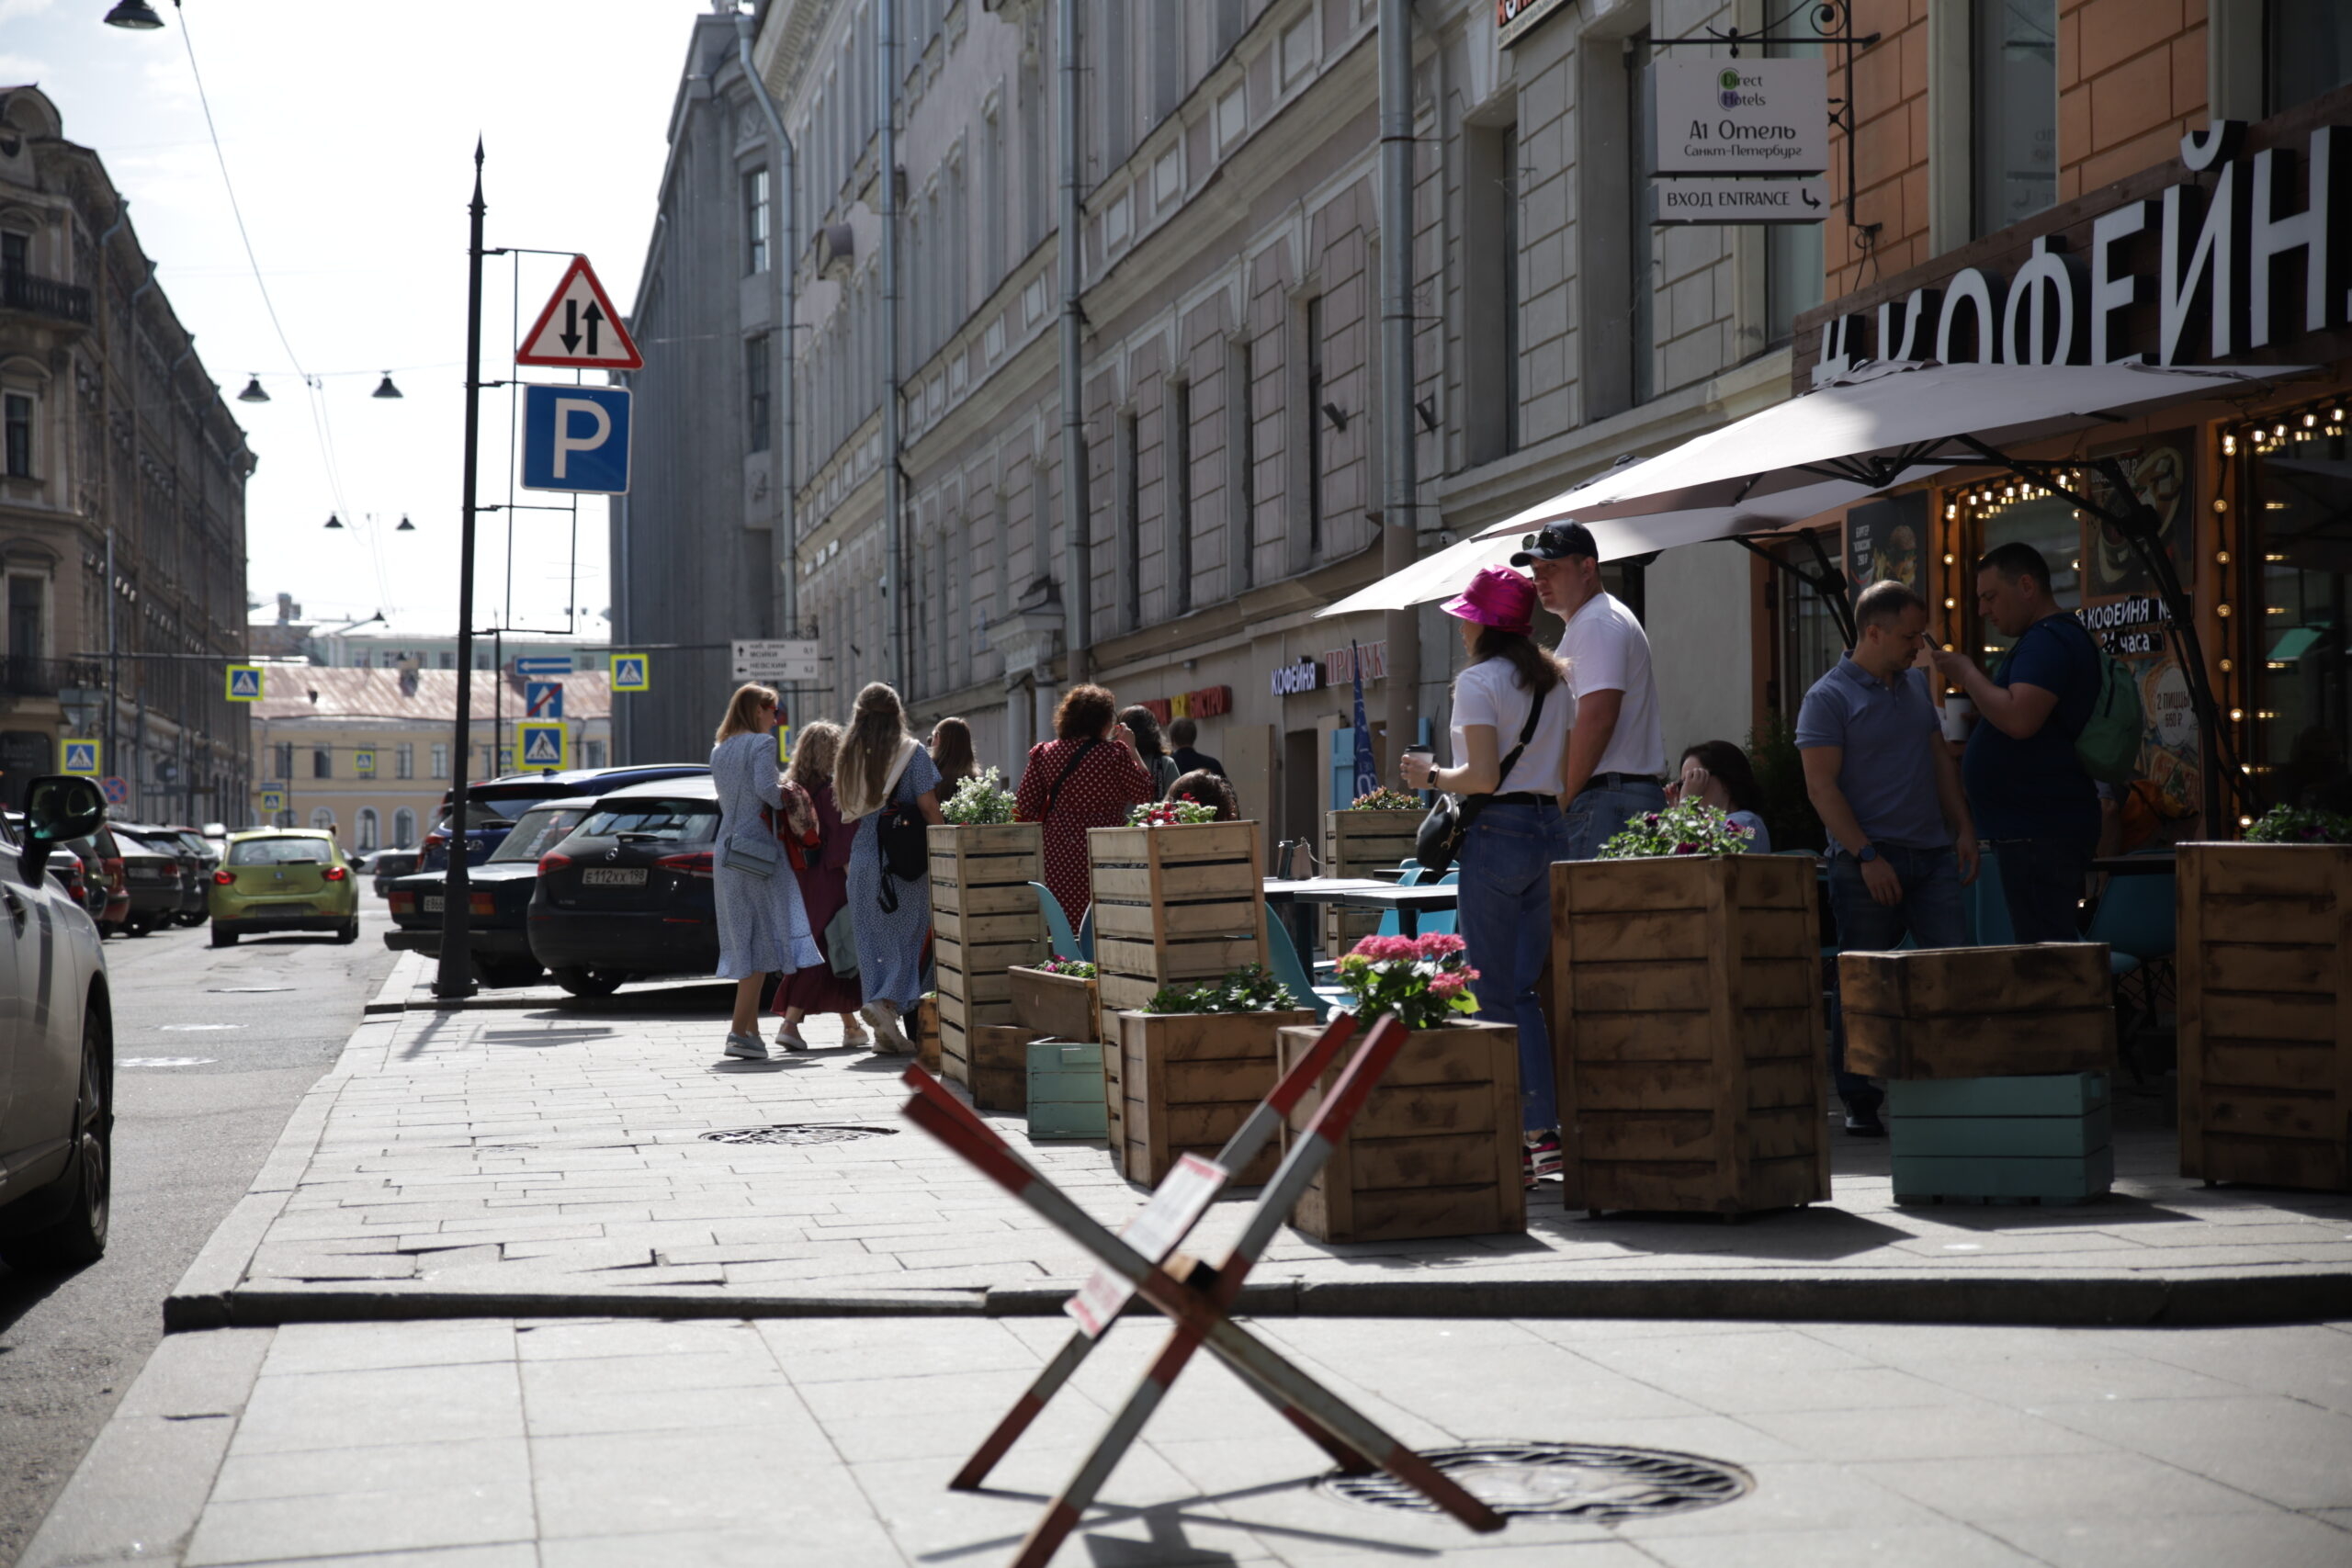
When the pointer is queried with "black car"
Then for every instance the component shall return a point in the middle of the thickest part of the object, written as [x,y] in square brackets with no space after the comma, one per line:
[492,805]
[629,894]
[196,863]
[386,866]
[155,878]
[498,893]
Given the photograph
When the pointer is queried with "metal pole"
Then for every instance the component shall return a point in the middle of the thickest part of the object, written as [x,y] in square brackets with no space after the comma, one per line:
[894,499]
[782,254]
[1078,628]
[456,976]
[1400,476]
[114,658]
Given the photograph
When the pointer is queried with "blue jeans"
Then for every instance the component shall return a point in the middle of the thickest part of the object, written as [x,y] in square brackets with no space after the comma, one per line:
[1505,922]
[1597,815]
[2041,880]
[1929,914]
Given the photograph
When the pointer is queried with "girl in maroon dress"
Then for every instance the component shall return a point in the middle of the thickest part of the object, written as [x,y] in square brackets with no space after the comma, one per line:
[823,871]
[1089,777]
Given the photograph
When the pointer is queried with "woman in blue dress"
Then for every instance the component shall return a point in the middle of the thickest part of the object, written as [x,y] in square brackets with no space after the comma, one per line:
[884,772]
[763,927]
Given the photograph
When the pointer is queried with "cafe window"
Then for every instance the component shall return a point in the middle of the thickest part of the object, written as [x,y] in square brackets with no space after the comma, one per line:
[2307,50]
[2298,726]
[2014,74]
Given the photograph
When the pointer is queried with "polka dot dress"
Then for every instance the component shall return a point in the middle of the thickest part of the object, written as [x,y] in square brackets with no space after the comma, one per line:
[1098,792]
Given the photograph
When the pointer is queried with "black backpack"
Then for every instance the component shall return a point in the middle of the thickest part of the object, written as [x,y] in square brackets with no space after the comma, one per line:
[904,839]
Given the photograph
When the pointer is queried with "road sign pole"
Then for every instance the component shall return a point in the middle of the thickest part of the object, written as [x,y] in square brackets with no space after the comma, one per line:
[455,976]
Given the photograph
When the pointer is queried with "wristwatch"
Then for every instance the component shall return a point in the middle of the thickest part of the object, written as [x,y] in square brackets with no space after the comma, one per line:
[1867,854]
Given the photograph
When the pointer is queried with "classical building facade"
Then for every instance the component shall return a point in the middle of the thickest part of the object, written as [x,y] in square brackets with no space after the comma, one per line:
[122,520]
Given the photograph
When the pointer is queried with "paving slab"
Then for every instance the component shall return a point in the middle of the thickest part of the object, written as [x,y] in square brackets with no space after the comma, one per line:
[554,1156]
[831,1441]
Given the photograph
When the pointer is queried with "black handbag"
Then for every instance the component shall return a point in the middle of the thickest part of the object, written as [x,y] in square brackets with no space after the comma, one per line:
[1439,839]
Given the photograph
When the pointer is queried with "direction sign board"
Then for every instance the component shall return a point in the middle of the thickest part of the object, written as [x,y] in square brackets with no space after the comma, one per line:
[1737,201]
[576,438]
[632,672]
[116,789]
[789,659]
[245,682]
[543,699]
[579,329]
[273,800]
[543,664]
[82,757]
[541,745]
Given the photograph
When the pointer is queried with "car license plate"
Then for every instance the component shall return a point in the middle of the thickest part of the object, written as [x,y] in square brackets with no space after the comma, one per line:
[613,876]
[433,903]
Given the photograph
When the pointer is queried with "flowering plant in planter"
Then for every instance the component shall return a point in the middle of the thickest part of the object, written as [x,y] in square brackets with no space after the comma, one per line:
[981,801]
[1171,813]
[1425,980]
[1071,969]
[1385,799]
[1251,989]
[2300,825]
[1691,828]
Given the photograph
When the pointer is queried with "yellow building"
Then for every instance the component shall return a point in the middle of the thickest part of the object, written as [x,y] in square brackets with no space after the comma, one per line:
[365,752]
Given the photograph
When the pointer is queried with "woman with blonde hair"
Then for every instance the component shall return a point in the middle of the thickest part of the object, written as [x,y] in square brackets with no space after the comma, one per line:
[887,783]
[763,927]
[823,871]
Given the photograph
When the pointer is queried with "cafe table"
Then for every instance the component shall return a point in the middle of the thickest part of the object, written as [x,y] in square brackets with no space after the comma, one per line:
[1362,893]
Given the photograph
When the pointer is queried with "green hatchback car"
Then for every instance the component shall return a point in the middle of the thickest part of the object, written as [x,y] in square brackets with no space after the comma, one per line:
[284,879]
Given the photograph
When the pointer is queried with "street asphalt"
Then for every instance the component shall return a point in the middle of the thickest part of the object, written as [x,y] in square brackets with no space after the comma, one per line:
[213,1049]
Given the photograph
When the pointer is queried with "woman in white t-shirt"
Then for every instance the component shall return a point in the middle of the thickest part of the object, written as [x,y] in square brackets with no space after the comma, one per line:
[1511,712]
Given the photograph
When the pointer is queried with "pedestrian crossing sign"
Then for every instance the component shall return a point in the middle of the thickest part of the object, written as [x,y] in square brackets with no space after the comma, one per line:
[541,745]
[273,800]
[245,682]
[82,757]
[363,761]
[632,672]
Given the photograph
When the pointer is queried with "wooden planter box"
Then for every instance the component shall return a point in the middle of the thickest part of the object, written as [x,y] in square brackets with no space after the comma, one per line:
[2047,1137]
[1686,1016]
[2265,1010]
[1362,843]
[1066,1098]
[984,920]
[1183,1083]
[992,1062]
[1978,1012]
[1059,1007]
[1435,1151]
[1173,904]
[927,1034]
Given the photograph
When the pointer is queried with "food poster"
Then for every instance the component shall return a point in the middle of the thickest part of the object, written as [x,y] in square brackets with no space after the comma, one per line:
[2171,783]
[2160,470]
[1883,540]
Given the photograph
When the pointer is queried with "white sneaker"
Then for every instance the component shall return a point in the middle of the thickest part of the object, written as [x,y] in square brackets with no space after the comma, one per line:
[888,1037]
[746,1047]
[789,1039]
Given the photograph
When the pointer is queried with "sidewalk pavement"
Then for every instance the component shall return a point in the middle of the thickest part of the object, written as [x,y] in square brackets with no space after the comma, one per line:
[577,1443]
[544,1157]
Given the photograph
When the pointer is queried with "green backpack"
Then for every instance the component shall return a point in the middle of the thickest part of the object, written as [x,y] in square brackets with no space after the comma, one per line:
[2108,746]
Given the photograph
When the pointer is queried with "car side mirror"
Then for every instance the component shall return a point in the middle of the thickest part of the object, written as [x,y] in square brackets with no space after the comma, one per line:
[58,807]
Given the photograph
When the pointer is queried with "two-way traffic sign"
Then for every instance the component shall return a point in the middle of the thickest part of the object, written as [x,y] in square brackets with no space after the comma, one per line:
[244,683]
[632,672]
[580,329]
[82,757]
[543,699]
[540,745]
[576,438]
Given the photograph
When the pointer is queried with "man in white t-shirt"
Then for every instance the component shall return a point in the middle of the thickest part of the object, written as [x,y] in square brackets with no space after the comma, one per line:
[1617,750]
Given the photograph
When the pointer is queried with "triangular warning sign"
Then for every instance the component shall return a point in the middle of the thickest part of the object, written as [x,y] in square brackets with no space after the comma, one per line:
[542,749]
[580,328]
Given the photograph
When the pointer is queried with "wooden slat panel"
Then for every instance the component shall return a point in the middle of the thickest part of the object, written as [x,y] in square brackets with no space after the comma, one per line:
[1776,982]
[1061,1007]
[2307,1065]
[1394,1215]
[1645,1085]
[1679,1186]
[1933,982]
[2269,967]
[1411,1110]
[2271,869]
[1640,987]
[2050,1137]
[1417,1164]
[1986,1045]
[1621,936]
[1666,1135]
[2245,1015]
[1771,1085]
[2318,1117]
[2277,1162]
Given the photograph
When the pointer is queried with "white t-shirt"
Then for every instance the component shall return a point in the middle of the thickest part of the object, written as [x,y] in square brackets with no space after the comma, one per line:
[1607,651]
[1488,693]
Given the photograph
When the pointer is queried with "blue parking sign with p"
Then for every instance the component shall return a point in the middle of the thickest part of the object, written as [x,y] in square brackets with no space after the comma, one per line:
[576,438]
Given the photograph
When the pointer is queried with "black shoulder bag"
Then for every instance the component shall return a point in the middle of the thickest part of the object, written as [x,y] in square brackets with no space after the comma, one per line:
[1068,767]
[904,839]
[1439,839]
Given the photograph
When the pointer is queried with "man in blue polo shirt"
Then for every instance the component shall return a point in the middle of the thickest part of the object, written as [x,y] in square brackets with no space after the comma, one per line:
[2030,793]
[1902,845]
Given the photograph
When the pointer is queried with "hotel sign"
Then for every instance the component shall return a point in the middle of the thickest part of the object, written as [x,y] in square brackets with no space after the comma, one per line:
[1740,117]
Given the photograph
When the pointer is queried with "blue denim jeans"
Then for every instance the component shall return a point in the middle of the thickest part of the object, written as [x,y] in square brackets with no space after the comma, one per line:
[1929,913]
[1597,815]
[1505,922]
[2041,880]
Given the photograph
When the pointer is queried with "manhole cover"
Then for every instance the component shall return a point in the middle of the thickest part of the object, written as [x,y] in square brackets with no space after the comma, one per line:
[1589,1481]
[798,1132]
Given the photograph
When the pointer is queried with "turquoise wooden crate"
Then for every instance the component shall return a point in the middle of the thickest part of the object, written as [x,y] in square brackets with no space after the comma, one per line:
[2073,1179]
[2001,1136]
[1066,1092]
[2037,1094]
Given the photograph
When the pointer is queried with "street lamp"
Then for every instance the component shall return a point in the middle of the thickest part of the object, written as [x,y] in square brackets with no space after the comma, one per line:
[255,392]
[332,521]
[385,389]
[136,15]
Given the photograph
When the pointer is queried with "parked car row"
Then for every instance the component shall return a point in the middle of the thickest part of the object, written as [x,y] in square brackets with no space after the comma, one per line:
[606,881]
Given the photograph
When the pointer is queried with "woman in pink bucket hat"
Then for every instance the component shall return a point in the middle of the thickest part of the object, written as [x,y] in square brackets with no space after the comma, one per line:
[1511,709]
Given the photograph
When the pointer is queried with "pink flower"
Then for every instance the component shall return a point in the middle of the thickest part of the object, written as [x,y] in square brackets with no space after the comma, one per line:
[1437,945]
[1382,948]
[1448,982]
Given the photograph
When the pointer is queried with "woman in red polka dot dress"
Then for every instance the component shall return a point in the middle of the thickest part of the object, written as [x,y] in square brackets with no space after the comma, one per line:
[1089,777]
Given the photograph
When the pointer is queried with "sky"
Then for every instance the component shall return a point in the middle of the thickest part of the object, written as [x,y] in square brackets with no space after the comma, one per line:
[348,133]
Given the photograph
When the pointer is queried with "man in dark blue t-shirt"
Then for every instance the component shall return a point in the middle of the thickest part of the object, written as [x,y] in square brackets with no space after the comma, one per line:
[2027,789]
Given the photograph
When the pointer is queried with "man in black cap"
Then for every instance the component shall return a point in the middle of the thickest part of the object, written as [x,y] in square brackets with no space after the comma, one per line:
[1617,748]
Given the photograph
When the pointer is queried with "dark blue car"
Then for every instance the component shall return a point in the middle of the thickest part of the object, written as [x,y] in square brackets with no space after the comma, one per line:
[492,805]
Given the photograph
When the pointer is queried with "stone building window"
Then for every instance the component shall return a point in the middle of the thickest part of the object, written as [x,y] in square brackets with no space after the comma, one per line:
[758,381]
[2014,77]
[755,220]
[17,408]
